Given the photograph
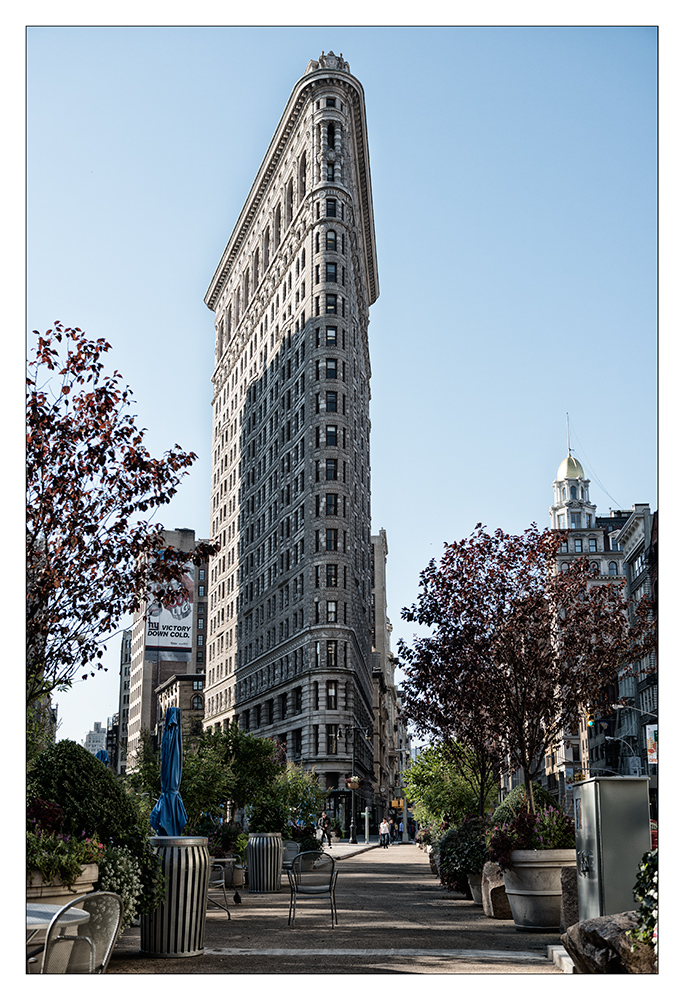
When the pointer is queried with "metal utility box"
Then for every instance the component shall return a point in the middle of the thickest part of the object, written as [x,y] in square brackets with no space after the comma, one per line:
[612,834]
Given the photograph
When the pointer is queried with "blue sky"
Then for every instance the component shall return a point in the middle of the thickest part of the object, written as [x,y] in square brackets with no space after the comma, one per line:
[514,175]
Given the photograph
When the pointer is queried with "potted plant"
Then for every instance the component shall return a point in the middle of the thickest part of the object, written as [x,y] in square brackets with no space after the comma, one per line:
[58,865]
[94,807]
[353,781]
[530,850]
[462,854]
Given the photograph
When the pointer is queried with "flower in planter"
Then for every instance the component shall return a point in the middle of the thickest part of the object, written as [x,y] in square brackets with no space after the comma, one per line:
[549,829]
[60,857]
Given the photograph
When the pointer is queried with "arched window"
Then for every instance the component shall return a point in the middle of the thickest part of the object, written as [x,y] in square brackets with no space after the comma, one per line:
[197,703]
[565,567]
[573,492]
[594,569]
[277,224]
[267,247]
[331,240]
[289,201]
[318,243]
[612,569]
[302,177]
[256,267]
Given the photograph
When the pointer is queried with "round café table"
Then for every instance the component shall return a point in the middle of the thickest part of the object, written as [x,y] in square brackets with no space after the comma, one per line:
[39,917]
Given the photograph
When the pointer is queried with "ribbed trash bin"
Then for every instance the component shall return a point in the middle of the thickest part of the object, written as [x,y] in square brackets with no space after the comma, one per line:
[176,928]
[264,861]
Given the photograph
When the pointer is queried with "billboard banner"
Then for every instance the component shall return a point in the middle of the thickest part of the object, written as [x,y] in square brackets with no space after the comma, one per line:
[652,743]
[169,629]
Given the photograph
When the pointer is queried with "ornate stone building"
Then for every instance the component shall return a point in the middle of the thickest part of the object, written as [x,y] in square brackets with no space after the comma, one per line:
[289,650]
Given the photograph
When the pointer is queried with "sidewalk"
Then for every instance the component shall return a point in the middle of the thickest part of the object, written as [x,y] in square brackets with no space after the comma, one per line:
[394,917]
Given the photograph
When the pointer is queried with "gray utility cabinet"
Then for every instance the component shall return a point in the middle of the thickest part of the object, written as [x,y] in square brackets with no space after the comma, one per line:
[612,833]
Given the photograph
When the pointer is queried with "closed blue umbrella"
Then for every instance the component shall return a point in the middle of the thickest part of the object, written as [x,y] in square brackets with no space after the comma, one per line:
[169,817]
[103,756]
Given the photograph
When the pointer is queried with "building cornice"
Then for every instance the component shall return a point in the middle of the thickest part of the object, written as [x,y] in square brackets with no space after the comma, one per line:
[302,91]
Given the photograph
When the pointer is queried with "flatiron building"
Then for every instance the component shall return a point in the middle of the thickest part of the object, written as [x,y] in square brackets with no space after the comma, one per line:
[290,611]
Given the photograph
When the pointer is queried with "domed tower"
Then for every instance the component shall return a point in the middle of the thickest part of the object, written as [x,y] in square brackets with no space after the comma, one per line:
[571,507]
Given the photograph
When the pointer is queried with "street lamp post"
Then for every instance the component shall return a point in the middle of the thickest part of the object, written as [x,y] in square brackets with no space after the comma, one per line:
[353,730]
[632,754]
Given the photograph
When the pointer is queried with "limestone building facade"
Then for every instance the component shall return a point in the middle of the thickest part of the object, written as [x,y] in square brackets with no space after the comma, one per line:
[289,651]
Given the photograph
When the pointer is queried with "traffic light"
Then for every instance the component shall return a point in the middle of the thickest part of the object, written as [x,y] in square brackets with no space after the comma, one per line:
[590,720]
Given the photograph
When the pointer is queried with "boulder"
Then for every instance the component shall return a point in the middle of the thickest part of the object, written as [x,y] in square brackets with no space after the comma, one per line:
[602,945]
[494,899]
[569,913]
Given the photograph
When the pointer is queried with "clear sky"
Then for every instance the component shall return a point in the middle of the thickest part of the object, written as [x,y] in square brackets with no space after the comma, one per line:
[514,175]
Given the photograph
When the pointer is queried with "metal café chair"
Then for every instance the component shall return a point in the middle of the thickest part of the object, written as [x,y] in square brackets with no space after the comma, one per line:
[217,881]
[312,874]
[89,950]
[290,852]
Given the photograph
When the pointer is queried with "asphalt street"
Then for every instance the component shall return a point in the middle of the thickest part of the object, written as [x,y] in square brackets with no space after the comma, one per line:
[394,917]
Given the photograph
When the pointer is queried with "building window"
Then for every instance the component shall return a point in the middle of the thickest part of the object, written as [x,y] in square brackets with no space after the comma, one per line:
[201,574]
[331,336]
[331,402]
[197,703]
[297,700]
[331,271]
[331,208]
[330,102]
[331,305]
[331,468]
[331,739]
[578,545]
[564,546]
[331,696]
[330,171]
[331,435]
[331,539]
[565,567]
[331,575]
[331,240]
[331,504]
[331,653]
[612,569]
[573,492]
[594,569]
[331,367]
[593,545]
[200,590]
[197,685]
[331,611]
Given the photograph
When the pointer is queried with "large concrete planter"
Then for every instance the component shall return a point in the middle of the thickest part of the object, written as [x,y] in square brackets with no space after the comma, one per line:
[176,928]
[58,893]
[264,861]
[533,887]
[475,883]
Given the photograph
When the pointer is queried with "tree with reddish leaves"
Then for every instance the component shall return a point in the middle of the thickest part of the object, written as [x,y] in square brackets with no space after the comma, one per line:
[93,551]
[515,649]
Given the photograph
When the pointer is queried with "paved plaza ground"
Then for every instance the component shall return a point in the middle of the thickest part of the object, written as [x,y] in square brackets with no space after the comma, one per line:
[394,917]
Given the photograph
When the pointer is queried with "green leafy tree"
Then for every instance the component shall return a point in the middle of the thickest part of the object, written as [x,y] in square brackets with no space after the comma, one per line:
[218,768]
[93,553]
[437,789]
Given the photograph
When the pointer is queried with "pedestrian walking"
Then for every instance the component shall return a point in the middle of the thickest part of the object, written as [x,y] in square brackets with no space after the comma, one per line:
[324,825]
[384,833]
[401,829]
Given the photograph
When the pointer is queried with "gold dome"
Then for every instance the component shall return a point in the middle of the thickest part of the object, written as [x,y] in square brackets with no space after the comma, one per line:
[570,468]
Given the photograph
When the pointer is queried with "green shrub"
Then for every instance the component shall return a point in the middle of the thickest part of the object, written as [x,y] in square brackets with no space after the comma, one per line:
[517,800]
[120,873]
[462,851]
[646,896]
[93,801]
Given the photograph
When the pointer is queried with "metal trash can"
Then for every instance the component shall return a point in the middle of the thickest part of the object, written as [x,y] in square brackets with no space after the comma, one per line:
[264,861]
[176,928]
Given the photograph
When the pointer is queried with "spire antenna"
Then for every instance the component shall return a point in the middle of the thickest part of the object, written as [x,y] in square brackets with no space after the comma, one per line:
[567,427]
